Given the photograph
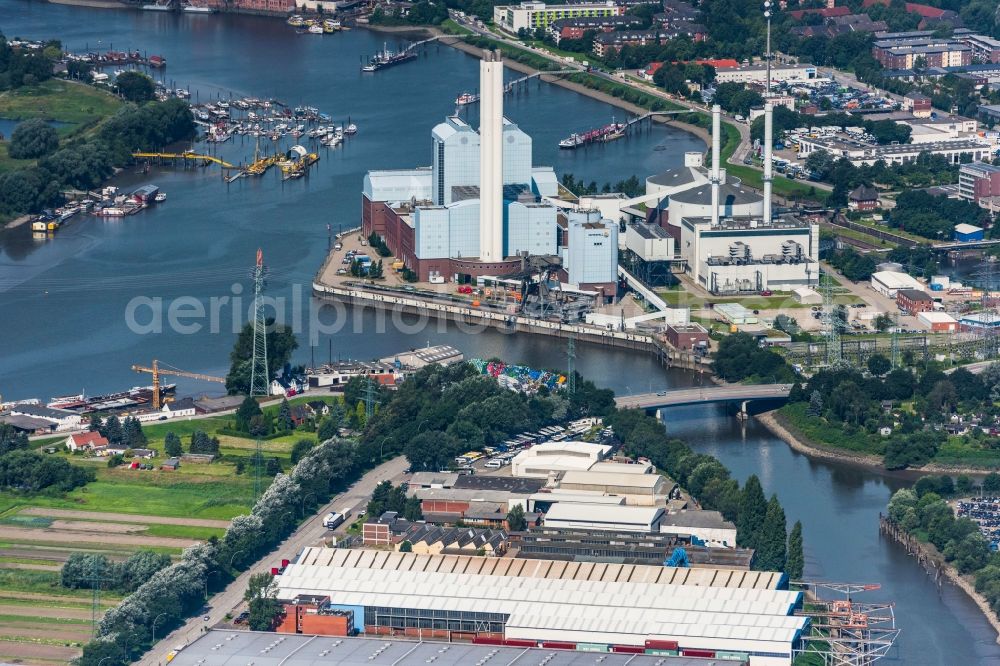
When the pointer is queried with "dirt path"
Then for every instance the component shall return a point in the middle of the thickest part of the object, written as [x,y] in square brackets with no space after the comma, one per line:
[50,598]
[31,567]
[42,611]
[65,632]
[75,538]
[25,653]
[122,517]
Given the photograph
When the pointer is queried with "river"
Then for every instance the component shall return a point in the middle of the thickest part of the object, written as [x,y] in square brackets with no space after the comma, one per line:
[65,300]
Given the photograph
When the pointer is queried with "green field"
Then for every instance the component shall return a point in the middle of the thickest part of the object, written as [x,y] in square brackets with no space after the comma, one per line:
[76,104]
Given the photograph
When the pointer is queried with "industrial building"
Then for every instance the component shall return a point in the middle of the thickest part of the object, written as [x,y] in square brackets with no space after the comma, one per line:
[939,322]
[715,613]
[978,181]
[968,232]
[641,519]
[913,301]
[532,15]
[479,205]
[861,153]
[708,526]
[780,73]
[637,489]
[888,283]
[621,547]
[590,262]
[541,460]
[238,648]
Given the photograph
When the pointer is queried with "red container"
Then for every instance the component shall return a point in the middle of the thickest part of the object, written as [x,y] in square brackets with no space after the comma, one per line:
[661,645]
[284,563]
[698,653]
[558,645]
[486,640]
[517,642]
[274,571]
[628,649]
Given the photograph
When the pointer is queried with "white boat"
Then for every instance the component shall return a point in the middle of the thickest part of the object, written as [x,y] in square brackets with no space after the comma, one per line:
[194,9]
[573,141]
[160,197]
[466,98]
[351,129]
[315,30]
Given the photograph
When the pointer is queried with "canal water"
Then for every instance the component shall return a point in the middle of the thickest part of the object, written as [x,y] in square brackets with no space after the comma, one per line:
[65,300]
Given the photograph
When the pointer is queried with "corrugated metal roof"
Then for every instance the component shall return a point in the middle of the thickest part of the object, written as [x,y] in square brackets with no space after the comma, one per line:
[603,513]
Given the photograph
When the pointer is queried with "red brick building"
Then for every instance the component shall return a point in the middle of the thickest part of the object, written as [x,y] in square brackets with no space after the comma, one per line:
[687,336]
[312,614]
[914,301]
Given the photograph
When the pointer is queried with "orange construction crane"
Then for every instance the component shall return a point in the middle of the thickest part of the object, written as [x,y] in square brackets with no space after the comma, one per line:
[156,371]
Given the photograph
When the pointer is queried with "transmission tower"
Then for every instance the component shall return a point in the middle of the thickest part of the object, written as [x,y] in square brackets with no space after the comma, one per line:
[896,361]
[831,329]
[988,338]
[571,364]
[371,398]
[96,578]
[259,379]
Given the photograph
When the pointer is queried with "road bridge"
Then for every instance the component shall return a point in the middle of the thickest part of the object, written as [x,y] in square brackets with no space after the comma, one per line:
[704,395]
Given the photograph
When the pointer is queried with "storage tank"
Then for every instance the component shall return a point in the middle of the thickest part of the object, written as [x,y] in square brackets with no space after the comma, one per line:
[734,201]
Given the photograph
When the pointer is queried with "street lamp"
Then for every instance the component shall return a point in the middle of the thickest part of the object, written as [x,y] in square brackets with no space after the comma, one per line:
[767,15]
[303,502]
[154,632]
[231,559]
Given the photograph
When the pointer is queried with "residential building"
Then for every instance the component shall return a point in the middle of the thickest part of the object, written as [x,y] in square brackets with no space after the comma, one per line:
[576,28]
[922,52]
[86,441]
[863,198]
[984,49]
[611,42]
[918,104]
[968,232]
[912,301]
[888,283]
[465,598]
[533,15]
[978,181]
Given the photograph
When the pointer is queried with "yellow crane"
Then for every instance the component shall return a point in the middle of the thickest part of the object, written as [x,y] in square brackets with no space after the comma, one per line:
[156,371]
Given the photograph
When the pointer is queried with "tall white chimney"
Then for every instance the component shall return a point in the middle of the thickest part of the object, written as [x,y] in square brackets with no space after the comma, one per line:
[768,141]
[716,157]
[491,157]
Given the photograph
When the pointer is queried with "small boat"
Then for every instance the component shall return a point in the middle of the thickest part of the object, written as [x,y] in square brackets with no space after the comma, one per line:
[160,197]
[351,129]
[315,30]
[295,21]
[466,98]
[573,141]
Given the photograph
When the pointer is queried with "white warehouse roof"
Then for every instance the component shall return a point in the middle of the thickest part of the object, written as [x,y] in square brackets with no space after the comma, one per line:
[936,317]
[610,516]
[896,280]
[622,468]
[647,482]
[618,603]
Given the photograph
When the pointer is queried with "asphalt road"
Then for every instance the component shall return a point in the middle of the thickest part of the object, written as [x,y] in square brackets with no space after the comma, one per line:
[703,394]
[309,533]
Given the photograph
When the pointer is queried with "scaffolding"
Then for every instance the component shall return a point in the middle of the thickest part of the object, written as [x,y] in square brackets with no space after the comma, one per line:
[845,632]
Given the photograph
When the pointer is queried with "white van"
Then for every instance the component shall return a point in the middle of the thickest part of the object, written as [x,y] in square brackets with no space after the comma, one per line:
[494,463]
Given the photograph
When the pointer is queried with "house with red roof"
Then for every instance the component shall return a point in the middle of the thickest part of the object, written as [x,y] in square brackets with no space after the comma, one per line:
[825,12]
[86,441]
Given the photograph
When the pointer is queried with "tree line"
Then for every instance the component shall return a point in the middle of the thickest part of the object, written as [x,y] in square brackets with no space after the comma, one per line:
[84,164]
[760,523]
[924,171]
[29,472]
[86,570]
[26,67]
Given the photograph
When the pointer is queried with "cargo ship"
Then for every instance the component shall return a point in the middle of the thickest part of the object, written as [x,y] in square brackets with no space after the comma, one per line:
[137,395]
[386,58]
[609,132]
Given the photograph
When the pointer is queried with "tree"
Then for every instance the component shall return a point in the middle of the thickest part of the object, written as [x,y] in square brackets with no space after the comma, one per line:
[750,517]
[991,484]
[771,546]
[515,519]
[281,343]
[248,409]
[412,510]
[796,557]
[329,425]
[300,449]
[172,445]
[285,416]
[879,365]
[202,444]
[11,439]
[815,408]
[135,86]
[406,547]
[112,430]
[134,437]
[31,139]
[261,596]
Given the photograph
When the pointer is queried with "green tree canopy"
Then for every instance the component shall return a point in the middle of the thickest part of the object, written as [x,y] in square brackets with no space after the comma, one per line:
[33,138]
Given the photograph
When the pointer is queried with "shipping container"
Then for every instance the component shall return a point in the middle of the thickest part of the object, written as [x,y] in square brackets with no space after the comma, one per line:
[662,653]
[486,640]
[591,647]
[732,656]
[519,642]
[628,649]
[698,653]
[660,644]
[558,645]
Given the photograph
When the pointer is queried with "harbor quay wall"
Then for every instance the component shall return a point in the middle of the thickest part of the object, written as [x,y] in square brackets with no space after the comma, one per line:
[506,323]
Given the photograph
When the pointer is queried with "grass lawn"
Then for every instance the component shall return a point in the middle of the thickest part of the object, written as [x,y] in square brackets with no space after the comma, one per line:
[76,104]
[833,435]
[46,582]
[861,236]
[682,298]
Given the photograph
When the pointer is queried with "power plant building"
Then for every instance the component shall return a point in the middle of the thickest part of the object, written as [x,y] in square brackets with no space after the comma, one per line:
[478,208]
